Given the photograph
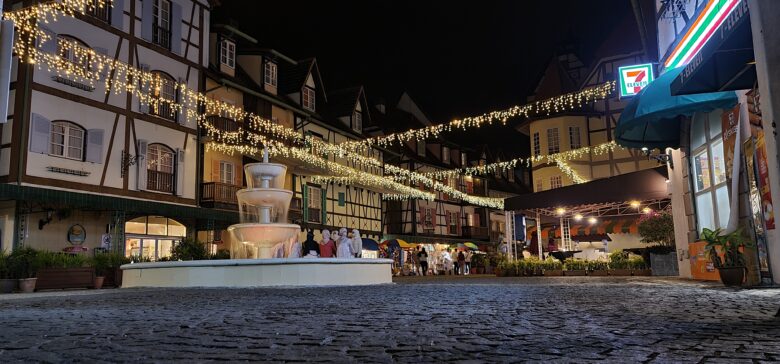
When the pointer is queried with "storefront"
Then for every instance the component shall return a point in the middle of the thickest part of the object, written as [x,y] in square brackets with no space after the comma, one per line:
[152,237]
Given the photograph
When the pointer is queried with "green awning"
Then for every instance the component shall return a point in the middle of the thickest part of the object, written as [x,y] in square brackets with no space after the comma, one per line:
[652,118]
[90,201]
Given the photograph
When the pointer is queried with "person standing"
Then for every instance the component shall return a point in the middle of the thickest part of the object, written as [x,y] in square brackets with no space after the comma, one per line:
[423,258]
[455,262]
[357,243]
[416,261]
[327,246]
[462,262]
[468,262]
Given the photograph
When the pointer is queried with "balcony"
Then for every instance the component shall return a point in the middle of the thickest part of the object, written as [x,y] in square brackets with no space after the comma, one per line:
[476,232]
[159,181]
[222,123]
[219,195]
[163,109]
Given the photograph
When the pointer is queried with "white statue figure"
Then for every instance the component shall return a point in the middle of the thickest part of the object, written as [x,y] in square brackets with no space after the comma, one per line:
[345,247]
[334,235]
[357,243]
[343,237]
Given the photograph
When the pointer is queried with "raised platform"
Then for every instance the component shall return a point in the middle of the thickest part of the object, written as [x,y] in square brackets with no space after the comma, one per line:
[258,273]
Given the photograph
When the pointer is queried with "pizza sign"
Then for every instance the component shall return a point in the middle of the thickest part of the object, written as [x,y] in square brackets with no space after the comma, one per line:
[635,78]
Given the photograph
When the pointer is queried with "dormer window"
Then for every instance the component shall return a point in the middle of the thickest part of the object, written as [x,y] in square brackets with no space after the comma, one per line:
[227,53]
[357,121]
[445,155]
[308,98]
[270,74]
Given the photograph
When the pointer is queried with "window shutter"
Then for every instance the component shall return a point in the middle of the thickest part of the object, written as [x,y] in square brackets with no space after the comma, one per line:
[181,117]
[146,89]
[141,163]
[118,14]
[215,171]
[324,194]
[238,175]
[179,172]
[147,19]
[39,134]
[305,203]
[104,72]
[94,146]
[176,28]
[50,44]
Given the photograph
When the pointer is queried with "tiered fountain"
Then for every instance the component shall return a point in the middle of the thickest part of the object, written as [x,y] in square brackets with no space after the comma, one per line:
[263,207]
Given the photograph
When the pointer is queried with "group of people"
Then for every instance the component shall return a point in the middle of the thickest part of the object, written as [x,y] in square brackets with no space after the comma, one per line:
[336,244]
[447,261]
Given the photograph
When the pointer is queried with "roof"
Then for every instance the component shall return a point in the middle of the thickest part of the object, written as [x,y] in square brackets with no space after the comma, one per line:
[342,102]
[648,184]
[292,77]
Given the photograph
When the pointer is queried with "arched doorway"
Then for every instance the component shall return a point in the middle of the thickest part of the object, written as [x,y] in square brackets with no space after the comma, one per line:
[152,237]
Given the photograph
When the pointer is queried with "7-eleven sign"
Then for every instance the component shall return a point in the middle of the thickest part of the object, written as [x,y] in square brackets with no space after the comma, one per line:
[634,78]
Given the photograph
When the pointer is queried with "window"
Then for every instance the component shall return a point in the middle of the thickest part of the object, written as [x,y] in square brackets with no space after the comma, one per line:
[227,53]
[421,148]
[315,204]
[428,218]
[556,182]
[464,159]
[453,222]
[709,172]
[445,155]
[67,140]
[161,30]
[537,146]
[226,172]
[74,51]
[159,166]
[539,185]
[553,141]
[99,9]
[357,121]
[574,137]
[163,96]
[270,74]
[309,98]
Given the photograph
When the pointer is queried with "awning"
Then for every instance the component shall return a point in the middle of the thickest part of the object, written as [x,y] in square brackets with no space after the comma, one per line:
[596,231]
[648,184]
[651,119]
[726,62]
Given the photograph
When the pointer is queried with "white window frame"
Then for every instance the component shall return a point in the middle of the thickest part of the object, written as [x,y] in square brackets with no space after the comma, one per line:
[556,182]
[156,161]
[553,141]
[270,74]
[575,141]
[162,13]
[357,121]
[445,154]
[315,203]
[714,186]
[309,98]
[537,146]
[166,91]
[227,53]
[73,139]
[227,173]
[453,227]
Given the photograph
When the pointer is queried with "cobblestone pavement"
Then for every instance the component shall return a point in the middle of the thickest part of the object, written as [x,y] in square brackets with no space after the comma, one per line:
[444,319]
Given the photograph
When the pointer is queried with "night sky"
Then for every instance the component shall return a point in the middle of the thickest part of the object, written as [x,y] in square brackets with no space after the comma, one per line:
[454,58]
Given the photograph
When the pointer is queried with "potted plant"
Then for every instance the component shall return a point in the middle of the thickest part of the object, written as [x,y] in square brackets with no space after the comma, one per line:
[189,249]
[533,266]
[731,266]
[23,265]
[618,263]
[597,268]
[7,283]
[575,267]
[552,267]
[101,262]
[114,272]
[503,267]
[63,270]
[638,266]
[657,230]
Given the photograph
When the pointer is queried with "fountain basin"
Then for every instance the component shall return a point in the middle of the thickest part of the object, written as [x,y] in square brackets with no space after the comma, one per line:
[263,236]
[258,273]
[275,197]
[255,171]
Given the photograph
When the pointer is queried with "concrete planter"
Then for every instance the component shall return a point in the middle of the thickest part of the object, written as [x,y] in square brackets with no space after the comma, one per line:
[620,272]
[575,273]
[553,273]
[664,264]
[642,272]
[598,273]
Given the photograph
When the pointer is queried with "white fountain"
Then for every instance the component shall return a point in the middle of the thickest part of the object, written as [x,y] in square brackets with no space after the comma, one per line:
[263,209]
[262,205]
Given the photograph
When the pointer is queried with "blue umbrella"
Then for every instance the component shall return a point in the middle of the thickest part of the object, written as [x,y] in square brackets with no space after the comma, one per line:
[651,119]
[370,244]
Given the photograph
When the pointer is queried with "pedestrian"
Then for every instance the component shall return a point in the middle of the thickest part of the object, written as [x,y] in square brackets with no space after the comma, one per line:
[468,262]
[416,261]
[455,262]
[311,248]
[423,257]
[462,262]
[357,243]
[327,246]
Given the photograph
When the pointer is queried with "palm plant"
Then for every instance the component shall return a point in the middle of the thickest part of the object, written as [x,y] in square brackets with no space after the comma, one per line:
[729,244]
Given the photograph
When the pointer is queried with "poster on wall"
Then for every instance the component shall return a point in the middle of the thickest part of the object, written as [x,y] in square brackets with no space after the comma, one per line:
[757,222]
[729,123]
[763,183]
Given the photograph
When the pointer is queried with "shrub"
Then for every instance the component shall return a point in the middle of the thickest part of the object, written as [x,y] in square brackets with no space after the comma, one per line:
[22,263]
[575,264]
[47,259]
[637,262]
[618,259]
[5,271]
[101,262]
[551,264]
[223,254]
[115,260]
[533,263]
[189,249]
[657,229]
[504,266]
[597,265]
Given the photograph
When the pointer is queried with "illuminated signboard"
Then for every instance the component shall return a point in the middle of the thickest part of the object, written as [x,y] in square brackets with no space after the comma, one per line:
[710,18]
[634,78]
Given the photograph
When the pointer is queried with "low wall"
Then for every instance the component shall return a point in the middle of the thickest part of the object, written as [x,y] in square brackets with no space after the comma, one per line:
[258,273]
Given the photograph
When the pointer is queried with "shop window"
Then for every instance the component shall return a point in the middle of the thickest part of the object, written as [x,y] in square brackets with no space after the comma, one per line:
[553,141]
[537,146]
[708,165]
[67,140]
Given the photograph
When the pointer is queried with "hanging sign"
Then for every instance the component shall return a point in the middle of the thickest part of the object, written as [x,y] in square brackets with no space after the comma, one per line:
[634,78]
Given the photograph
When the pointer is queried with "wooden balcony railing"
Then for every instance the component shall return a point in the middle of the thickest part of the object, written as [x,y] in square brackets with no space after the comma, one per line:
[159,181]
[219,193]
[222,123]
